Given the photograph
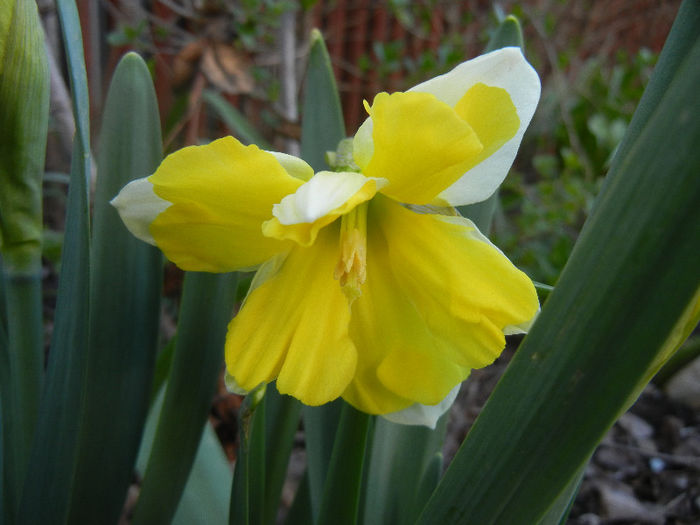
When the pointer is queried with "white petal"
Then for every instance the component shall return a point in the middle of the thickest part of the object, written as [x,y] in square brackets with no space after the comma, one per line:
[505,68]
[294,165]
[233,386]
[521,328]
[138,206]
[426,415]
[325,192]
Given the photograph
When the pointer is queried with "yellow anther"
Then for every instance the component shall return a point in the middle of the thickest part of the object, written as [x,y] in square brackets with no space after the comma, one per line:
[351,270]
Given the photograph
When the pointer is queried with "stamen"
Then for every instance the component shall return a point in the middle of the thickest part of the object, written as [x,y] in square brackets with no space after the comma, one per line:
[351,270]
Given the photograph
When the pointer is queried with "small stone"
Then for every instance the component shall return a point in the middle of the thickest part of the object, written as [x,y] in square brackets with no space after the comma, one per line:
[684,386]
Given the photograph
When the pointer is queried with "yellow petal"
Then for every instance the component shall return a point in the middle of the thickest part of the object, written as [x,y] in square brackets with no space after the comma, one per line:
[490,112]
[464,287]
[317,203]
[400,361]
[506,69]
[420,144]
[221,194]
[294,327]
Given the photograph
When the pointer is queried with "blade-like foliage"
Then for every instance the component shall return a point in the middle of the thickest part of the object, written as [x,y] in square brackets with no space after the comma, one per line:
[624,292]
[234,119]
[341,493]
[125,284]
[50,473]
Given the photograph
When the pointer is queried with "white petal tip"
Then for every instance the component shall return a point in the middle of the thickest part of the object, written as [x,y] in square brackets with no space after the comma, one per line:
[425,415]
[138,206]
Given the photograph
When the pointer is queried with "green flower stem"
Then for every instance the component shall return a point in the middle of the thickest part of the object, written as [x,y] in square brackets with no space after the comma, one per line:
[248,488]
[207,303]
[281,423]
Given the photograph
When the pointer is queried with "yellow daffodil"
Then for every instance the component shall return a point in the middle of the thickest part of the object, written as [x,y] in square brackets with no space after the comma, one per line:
[370,287]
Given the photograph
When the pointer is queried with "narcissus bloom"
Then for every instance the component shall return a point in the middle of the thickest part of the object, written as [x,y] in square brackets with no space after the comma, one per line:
[370,286]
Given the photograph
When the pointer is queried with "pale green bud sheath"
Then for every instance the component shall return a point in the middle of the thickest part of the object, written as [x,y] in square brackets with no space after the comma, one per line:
[24,102]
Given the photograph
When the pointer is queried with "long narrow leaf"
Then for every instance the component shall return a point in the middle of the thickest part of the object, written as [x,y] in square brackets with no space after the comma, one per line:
[400,457]
[281,423]
[205,498]
[234,119]
[630,281]
[207,305]
[124,304]
[341,493]
[322,124]
[54,451]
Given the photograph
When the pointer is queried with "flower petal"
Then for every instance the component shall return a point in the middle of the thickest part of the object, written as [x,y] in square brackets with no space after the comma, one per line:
[426,415]
[420,144]
[138,206]
[317,203]
[220,193]
[465,289]
[401,361]
[294,327]
[293,165]
[504,68]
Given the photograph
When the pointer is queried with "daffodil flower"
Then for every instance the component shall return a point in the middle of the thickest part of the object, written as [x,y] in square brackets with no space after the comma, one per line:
[370,287]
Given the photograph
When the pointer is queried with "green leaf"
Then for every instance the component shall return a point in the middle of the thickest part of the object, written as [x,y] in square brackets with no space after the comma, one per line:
[125,286]
[235,120]
[300,511]
[322,124]
[281,424]
[207,306]
[627,290]
[507,34]
[54,451]
[400,458]
[205,497]
[341,493]
[320,425]
[24,105]
[561,506]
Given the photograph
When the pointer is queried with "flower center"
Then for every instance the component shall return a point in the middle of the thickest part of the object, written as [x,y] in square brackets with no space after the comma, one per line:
[351,270]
